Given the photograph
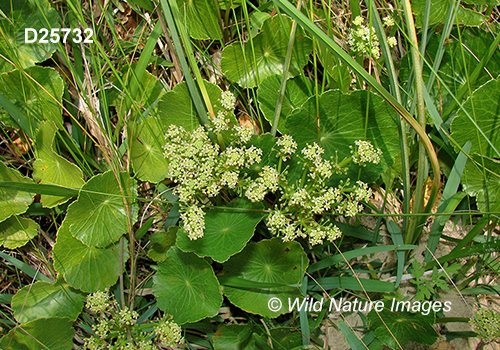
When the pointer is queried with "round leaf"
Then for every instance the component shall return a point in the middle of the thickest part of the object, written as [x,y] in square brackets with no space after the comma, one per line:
[343,120]
[13,202]
[439,12]
[297,91]
[50,168]
[86,268]
[457,64]
[226,231]
[53,333]
[16,231]
[201,18]
[229,337]
[482,179]
[43,300]
[483,106]
[186,287]
[269,261]
[402,326]
[22,14]
[176,107]
[161,242]
[34,100]
[249,67]
[99,216]
[146,151]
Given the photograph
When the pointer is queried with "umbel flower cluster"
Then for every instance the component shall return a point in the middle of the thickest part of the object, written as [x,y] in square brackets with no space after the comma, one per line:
[487,324]
[203,171]
[113,325]
[363,39]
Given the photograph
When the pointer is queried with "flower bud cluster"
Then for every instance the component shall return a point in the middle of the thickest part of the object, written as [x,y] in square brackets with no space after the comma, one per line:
[365,153]
[115,328]
[202,170]
[363,39]
[99,302]
[169,333]
[287,146]
[487,324]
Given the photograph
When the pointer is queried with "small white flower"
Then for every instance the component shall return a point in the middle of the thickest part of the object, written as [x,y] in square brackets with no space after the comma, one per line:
[228,100]
[333,233]
[388,21]
[256,191]
[270,177]
[391,41]
[220,122]
[362,192]
[287,145]
[229,179]
[358,21]
[244,133]
[252,155]
[194,222]
[276,221]
[365,153]
[301,197]
[169,333]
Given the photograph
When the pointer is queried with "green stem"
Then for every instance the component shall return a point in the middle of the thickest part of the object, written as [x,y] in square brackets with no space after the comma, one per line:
[421,171]
[284,77]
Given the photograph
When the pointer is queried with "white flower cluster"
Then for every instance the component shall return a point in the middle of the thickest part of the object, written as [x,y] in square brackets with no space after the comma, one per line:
[365,153]
[363,39]
[127,317]
[169,333]
[194,222]
[301,206]
[228,100]
[321,169]
[202,170]
[388,21]
[287,146]
[99,302]
[268,181]
[281,224]
[199,167]
[487,324]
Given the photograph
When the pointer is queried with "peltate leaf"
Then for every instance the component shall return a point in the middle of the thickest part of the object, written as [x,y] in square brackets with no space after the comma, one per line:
[484,108]
[37,101]
[249,67]
[146,151]
[22,14]
[201,18]
[186,287]
[439,11]
[50,168]
[269,261]
[12,201]
[54,333]
[226,231]
[176,107]
[161,242]
[44,300]
[343,119]
[86,268]
[482,179]
[403,327]
[100,215]
[16,231]
[297,91]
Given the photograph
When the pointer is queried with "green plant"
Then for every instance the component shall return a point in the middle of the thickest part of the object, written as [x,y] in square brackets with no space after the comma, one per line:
[207,163]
